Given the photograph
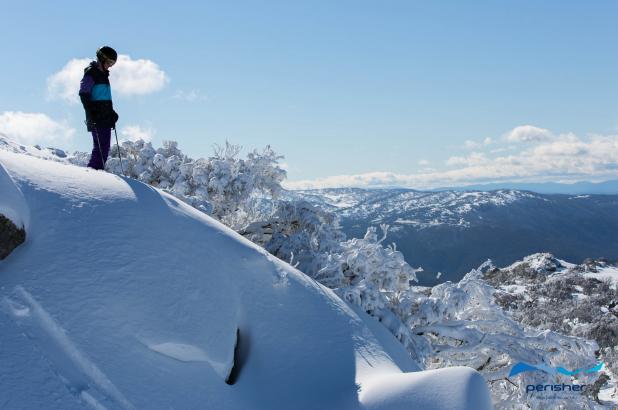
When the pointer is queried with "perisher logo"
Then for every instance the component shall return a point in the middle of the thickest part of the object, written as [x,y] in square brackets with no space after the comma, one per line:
[521,367]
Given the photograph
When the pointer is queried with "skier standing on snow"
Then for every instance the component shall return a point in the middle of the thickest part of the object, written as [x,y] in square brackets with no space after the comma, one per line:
[96,95]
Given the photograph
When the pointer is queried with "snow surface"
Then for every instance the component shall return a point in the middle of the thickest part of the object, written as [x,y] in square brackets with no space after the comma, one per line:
[123,297]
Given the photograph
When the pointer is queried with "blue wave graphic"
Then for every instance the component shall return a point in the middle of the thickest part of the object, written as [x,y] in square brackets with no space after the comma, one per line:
[521,367]
[596,368]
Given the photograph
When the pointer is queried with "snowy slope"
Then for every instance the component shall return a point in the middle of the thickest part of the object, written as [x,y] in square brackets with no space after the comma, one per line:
[123,297]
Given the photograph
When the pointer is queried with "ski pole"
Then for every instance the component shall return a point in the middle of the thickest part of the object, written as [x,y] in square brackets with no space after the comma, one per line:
[118,146]
[96,134]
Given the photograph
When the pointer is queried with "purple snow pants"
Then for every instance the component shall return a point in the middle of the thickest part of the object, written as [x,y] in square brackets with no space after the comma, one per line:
[101,137]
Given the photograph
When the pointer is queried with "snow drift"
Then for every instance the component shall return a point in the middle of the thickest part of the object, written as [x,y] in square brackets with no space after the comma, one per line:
[125,297]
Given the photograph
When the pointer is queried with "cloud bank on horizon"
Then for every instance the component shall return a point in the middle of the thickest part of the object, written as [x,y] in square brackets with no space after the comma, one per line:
[34,128]
[39,129]
[524,154]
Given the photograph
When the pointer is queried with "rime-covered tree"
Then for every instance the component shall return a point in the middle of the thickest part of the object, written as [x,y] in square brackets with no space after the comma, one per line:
[222,185]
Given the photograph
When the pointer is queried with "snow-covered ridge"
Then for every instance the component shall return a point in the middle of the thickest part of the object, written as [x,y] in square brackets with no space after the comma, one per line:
[53,154]
[125,297]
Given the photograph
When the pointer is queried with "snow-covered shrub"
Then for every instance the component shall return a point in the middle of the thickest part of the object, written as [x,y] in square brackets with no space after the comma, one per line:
[232,182]
[79,158]
[376,278]
[364,269]
[311,239]
[222,185]
[299,233]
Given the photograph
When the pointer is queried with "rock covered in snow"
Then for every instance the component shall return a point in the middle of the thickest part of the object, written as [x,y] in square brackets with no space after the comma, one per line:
[10,236]
[14,215]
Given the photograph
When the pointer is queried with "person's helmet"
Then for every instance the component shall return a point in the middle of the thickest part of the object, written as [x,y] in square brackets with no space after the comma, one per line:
[107,53]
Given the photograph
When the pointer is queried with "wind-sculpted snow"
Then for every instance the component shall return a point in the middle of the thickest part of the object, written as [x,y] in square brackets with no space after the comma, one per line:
[75,369]
[126,297]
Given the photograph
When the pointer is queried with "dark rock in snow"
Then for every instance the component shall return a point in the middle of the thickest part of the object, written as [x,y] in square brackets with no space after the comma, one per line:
[10,236]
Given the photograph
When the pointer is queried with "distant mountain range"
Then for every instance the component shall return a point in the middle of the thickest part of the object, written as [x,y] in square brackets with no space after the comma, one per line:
[453,231]
[583,187]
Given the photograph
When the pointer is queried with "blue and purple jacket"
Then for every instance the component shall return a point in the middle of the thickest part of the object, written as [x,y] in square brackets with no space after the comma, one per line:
[96,96]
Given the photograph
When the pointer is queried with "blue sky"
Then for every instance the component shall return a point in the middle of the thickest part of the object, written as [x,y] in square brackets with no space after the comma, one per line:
[351,92]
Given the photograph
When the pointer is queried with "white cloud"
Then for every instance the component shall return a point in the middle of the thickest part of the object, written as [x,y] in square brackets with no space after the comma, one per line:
[128,77]
[565,157]
[135,132]
[190,95]
[528,133]
[368,179]
[64,84]
[501,149]
[423,162]
[565,145]
[34,128]
[475,158]
[137,77]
